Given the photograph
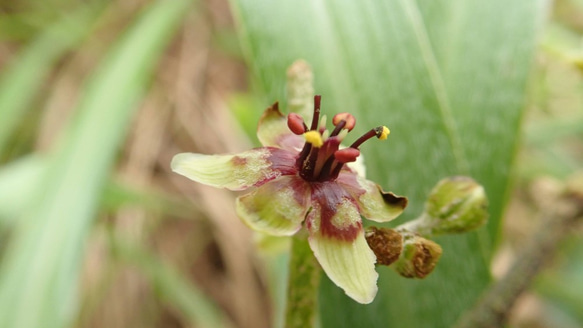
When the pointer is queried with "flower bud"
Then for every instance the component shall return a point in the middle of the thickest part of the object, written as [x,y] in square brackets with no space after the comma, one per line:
[386,244]
[457,204]
[418,258]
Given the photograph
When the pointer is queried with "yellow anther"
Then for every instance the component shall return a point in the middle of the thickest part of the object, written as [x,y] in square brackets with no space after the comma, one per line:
[385,133]
[315,138]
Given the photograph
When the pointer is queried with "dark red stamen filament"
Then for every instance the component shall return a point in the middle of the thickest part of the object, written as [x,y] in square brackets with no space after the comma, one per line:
[338,128]
[376,132]
[326,169]
[316,117]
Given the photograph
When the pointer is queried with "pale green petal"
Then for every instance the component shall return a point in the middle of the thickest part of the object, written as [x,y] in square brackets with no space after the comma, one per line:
[349,264]
[234,172]
[374,203]
[278,208]
[272,125]
[272,130]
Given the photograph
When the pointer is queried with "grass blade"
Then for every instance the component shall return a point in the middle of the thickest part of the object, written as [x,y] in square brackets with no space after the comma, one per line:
[25,75]
[40,270]
[174,288]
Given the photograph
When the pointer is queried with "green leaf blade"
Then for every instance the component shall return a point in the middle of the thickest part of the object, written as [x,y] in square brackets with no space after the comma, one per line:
[451,110]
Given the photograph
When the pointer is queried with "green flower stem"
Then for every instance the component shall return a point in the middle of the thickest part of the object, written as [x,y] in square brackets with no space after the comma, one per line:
[302,289]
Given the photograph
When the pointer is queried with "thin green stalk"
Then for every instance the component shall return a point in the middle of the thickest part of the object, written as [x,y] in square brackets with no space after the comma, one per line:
[302,289]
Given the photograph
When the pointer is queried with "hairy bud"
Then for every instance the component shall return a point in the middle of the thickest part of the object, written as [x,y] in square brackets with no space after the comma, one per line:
[418,258]
[455,205]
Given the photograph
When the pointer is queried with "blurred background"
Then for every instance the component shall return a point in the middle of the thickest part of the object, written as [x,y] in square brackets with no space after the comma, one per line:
[97,96]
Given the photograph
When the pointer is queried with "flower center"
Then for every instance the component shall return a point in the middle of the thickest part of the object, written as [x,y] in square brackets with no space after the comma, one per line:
[321,159]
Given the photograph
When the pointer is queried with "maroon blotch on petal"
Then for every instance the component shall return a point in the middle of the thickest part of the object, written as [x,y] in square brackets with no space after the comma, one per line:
[326,198]
[239,161]
[282,160]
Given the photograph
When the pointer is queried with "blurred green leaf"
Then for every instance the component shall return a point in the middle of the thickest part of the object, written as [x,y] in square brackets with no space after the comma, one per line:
[174,287]
[117,194]
[243,107]
[15,27]
[25,75]
[448,78]
[39,275]
[549,131]
[18,180]
[562,284]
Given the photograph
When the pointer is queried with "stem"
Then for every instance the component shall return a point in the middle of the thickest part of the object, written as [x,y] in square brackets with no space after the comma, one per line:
[497,302]
[302,289]
[421,225]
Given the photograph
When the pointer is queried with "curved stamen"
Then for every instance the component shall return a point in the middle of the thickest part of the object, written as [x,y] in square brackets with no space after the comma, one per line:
[379,132]
[296,124]
[350,120]
[338,128]
[316,117]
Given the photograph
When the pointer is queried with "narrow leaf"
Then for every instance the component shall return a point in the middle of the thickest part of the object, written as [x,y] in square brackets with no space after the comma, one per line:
[174,288]
[25,75]
[40,270]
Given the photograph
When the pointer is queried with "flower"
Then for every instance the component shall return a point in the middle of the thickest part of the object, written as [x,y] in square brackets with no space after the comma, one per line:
[301,180]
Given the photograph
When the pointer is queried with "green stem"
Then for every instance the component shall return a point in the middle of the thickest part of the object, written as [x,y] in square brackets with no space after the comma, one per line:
[302,289]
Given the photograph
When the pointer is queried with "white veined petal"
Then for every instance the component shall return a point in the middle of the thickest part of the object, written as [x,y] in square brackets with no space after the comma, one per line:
[272,131]
[234,172]
[349,264]
[374,203]
[277,208]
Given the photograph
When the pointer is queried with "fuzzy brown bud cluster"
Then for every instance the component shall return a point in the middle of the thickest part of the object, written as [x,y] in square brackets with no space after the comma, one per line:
[455,205]
[411,255]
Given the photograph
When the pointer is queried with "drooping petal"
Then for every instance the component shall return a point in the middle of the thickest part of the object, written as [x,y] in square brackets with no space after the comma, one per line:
[272,130]
[236,172]
[278,207]
[338,242]
[349,264]
[374,203]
